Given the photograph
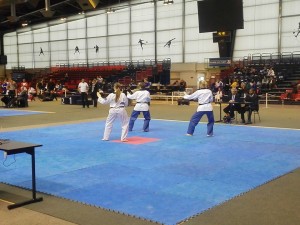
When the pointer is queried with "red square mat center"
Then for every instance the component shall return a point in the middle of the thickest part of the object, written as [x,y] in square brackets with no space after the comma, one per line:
[138,140]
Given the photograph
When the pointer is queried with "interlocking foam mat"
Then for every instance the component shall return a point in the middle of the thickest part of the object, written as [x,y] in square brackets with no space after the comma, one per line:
[162,175]
[12,112]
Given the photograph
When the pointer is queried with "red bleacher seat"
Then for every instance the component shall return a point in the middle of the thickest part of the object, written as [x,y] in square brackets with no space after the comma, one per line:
[296,97]
[139,76]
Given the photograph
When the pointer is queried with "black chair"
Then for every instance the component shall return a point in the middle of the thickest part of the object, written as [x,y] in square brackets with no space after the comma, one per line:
[256,112]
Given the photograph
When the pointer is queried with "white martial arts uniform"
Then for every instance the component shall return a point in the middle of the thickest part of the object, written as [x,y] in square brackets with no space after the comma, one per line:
[142,98]
[142,105]
[204,97]
[117,110]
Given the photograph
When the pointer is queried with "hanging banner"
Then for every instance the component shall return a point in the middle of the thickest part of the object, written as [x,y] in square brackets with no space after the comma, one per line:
[222,62]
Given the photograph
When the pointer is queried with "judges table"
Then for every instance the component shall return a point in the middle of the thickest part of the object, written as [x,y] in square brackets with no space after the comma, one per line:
[14,147]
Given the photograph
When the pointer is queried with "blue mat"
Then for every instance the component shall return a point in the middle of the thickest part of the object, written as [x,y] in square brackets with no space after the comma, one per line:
[11,112]
[166,180]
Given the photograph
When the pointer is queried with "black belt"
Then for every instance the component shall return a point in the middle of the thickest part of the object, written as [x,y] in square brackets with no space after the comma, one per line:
[117,107]
[142,102]
[204,103]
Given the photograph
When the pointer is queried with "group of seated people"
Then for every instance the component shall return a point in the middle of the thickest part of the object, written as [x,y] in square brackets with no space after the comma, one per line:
[12,95]
[265,76]
[181,84]
[243,79]
[241,103]
[12,100]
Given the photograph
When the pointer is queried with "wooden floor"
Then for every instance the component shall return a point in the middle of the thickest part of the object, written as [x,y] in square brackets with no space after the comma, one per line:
[277,202]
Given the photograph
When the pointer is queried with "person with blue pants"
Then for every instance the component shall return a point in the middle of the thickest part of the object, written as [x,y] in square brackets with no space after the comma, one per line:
[142,98]
[204,97]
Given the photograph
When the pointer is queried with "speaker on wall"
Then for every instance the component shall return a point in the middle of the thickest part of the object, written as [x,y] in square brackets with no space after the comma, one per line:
[220,15]
[88,4]
[3,59]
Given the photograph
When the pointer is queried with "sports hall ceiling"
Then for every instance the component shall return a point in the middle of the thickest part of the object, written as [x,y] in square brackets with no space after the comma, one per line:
[14,13]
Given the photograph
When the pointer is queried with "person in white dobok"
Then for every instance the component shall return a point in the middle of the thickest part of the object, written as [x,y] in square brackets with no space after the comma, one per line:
[204,97]
[117,101]
[142,98]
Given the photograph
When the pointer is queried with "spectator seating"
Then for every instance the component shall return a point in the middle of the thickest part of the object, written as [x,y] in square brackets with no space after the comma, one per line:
[289,95]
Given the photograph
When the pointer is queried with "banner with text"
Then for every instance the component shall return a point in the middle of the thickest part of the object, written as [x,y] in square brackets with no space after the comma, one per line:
[223,62]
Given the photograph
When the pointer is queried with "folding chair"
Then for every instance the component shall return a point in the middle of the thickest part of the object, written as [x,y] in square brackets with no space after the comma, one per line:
[256,112]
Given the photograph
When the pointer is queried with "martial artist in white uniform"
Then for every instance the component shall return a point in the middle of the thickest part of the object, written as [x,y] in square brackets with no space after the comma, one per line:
[143,99]
[117,110]
[204,97]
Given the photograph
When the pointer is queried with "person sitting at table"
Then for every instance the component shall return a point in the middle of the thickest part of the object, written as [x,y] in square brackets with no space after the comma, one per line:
[234,103]
[251,104]
[31,93]
[22,99]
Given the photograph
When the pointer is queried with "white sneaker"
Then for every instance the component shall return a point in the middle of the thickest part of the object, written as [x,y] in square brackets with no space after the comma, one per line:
[103,139]
[189,135]
[209,135]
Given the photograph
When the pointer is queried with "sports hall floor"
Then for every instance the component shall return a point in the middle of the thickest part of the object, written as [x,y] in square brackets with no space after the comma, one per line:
[276,202]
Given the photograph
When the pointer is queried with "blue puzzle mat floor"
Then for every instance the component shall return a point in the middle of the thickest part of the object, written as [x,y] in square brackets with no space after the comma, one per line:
[163,175]
[14,112]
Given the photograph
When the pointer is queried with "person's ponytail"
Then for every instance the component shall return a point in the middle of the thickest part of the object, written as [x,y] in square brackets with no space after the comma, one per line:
[118,92]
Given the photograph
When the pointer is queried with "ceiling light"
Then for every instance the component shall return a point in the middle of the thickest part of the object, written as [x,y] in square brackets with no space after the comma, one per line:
[24,24]
[110,10]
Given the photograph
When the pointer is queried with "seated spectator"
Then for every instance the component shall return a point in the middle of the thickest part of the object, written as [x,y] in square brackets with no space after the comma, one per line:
[182,85]
[31,94]
[219,84]
[251,104]
[234,103]
[66,78]
[24,84]
[58,86]
[22,99]
[264,83]
[4,87]
[272,83]
[264,71]
[242,91]
[219,95]
[50,85]
[147,84]
[234,84]
[12,88]
[40,87]
[53,95]
[270,73]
